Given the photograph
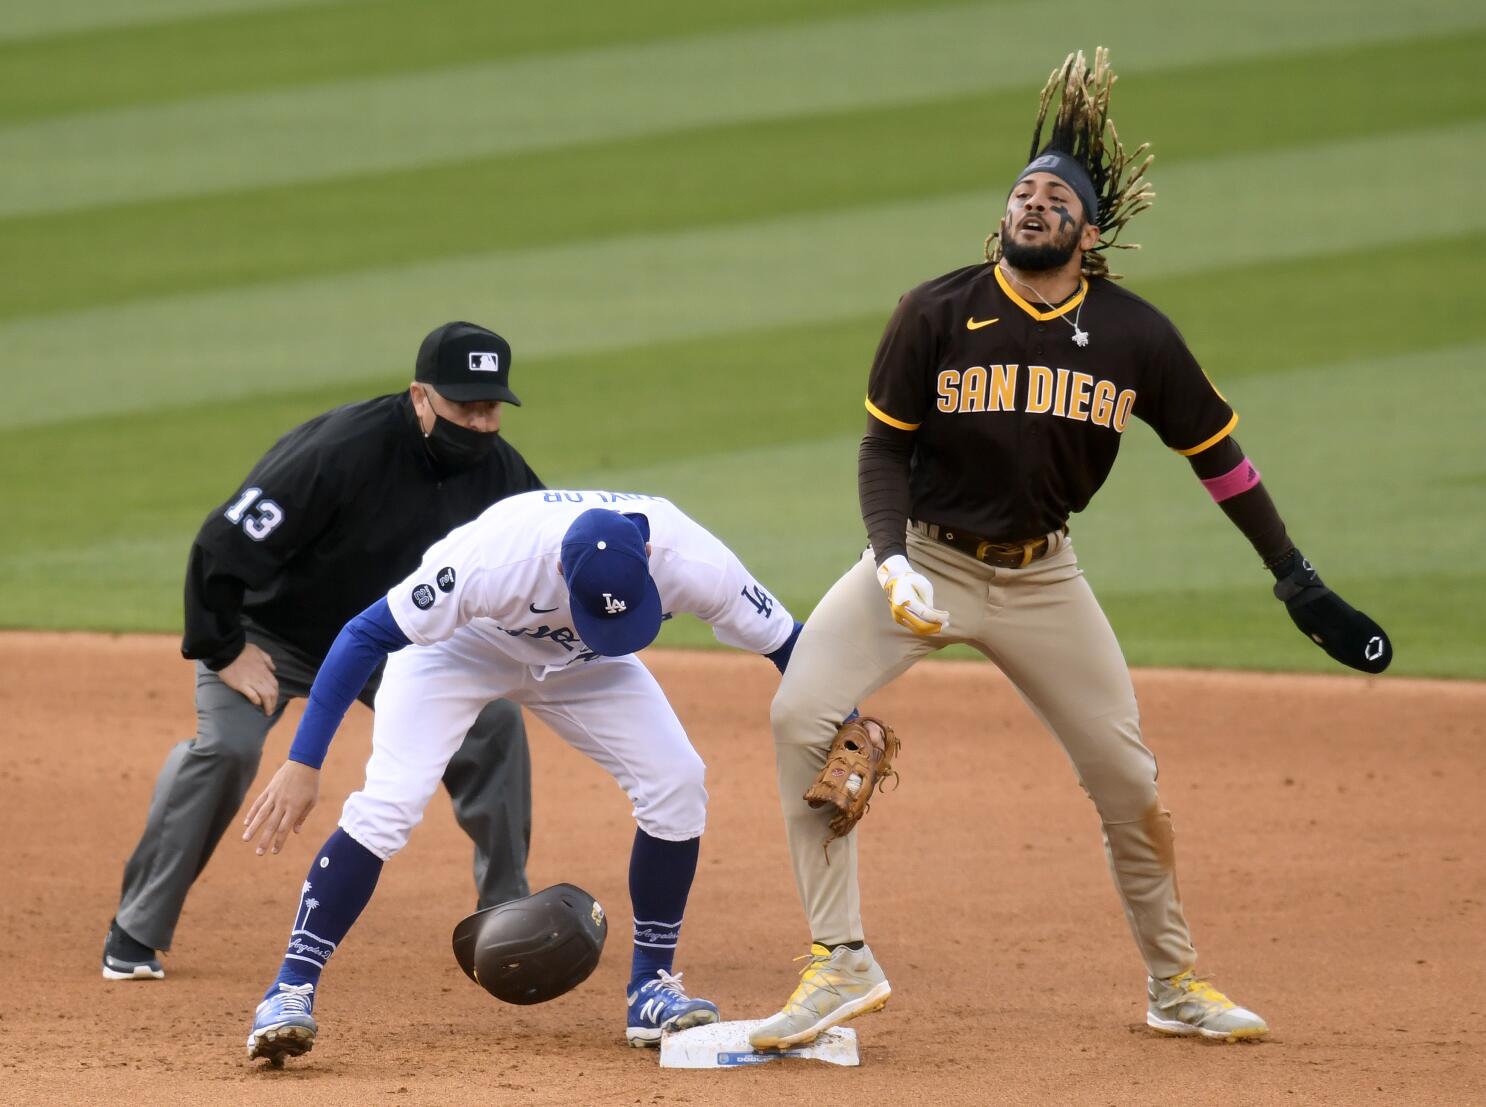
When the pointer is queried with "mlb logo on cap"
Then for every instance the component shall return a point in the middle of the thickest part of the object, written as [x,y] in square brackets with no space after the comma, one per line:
[466,363]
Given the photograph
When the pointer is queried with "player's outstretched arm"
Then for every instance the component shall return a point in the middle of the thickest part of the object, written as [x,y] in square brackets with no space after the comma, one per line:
[291,795]
[1346,634]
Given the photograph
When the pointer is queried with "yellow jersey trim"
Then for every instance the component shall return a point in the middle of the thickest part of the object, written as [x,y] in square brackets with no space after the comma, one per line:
[1042,316]
[1214,440]
[878,413]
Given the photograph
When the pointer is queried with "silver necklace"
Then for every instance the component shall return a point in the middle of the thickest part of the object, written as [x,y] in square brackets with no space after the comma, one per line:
[1080,337]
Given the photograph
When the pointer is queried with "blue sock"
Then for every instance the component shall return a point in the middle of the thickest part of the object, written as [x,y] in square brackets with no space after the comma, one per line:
[336,890]
[660,875]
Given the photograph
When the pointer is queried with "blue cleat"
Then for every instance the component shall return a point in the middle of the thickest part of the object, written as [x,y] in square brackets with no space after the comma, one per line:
[282,1025]
[659,1005]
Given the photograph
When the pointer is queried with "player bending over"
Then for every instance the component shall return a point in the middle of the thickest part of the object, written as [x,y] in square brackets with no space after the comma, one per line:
[996,405]
[543,600]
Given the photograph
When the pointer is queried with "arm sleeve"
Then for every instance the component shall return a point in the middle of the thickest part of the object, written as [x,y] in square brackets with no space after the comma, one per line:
[358,649]
[781,656]
[214,597]
[882,487]
[1251,511]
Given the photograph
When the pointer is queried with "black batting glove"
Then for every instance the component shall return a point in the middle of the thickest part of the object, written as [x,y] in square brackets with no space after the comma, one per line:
[1345,633]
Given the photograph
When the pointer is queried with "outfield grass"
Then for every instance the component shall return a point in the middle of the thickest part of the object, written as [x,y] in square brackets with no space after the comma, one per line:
[691,222]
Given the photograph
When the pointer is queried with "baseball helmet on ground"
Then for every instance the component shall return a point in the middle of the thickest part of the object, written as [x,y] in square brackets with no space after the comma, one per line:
[534,949]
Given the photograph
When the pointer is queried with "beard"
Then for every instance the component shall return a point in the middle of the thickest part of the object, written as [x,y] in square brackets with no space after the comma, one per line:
[1036,259]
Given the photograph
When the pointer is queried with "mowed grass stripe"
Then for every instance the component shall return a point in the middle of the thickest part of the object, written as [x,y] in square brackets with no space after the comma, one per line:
[671,403]
[1427,615]
[731,173]
[595,297]
[30,19]
[307,133]
[255,44]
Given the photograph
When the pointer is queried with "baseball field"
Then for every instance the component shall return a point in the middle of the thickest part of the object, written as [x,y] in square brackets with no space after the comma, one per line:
[220,217]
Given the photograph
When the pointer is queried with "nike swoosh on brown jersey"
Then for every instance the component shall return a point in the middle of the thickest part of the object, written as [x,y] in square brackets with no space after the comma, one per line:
[974,324]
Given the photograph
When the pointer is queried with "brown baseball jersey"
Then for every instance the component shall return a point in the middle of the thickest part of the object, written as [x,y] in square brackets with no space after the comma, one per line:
[1016,426]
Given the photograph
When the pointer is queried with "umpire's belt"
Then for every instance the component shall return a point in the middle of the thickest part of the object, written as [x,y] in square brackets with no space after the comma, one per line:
[1003,555]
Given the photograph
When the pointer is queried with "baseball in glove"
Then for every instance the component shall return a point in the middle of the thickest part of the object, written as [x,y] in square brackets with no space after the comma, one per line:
[860,758]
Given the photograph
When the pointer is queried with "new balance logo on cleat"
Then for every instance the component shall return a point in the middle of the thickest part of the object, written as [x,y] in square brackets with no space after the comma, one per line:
[283,1025]
[659,1005]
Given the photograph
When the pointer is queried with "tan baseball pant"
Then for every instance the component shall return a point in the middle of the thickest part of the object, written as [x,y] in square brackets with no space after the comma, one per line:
[1044,629]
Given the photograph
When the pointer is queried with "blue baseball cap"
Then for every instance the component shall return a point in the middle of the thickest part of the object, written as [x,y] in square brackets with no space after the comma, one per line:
[615,604]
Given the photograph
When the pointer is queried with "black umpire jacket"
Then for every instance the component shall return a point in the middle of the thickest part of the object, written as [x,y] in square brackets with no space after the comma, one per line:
[338,511]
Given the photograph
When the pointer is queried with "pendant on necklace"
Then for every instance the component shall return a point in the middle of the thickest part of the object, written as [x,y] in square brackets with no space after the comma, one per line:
[1080,338]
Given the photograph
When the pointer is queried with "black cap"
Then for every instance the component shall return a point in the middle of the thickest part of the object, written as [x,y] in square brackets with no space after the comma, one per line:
[464,362]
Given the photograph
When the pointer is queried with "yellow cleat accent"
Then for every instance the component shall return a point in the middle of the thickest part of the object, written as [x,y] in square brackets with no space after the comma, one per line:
[836,985]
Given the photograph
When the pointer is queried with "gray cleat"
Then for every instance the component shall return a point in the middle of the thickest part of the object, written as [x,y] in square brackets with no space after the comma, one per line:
[835,986]
[1186,1004]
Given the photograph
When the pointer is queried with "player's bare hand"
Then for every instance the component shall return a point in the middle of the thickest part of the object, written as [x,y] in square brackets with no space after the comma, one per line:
[250,674]
[911,596]
[282,806]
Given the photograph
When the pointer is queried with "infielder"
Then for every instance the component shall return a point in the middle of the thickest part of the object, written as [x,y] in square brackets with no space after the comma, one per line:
[328,518]
[996,403]
[543,600]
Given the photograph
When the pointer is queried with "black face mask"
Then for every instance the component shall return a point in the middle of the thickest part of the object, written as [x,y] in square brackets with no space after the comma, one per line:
[453,447]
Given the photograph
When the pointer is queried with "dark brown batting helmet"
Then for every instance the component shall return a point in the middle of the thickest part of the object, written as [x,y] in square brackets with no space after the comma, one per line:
[534,949]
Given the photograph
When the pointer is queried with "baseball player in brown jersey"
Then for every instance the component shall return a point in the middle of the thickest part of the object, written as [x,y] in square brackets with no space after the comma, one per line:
[996,403]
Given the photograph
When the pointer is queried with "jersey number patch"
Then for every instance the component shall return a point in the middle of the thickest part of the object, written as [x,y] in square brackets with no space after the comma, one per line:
[261,521]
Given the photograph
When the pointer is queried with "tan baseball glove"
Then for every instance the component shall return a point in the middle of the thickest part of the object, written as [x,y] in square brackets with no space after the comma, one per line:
[860,758]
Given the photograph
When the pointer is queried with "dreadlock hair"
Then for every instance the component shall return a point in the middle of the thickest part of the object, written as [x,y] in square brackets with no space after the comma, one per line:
[1083,130]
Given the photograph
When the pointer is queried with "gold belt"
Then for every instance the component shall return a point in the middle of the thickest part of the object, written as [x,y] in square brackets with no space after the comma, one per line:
[1003,555]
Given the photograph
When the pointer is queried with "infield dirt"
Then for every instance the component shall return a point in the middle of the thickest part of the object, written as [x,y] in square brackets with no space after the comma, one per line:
[1329,838]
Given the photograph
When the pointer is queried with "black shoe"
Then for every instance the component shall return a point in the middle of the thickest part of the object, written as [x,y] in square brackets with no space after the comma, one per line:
[126,959]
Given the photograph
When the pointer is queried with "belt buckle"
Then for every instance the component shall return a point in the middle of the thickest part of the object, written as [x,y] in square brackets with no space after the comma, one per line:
[994,553]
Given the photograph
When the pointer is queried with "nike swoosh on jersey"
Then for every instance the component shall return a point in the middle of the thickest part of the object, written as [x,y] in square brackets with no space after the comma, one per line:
[535,610]
[974,324]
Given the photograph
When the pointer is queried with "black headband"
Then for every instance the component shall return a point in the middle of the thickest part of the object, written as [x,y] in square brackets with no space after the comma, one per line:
[1071,172]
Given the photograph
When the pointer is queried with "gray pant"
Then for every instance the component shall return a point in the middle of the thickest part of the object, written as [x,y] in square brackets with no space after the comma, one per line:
[204,780]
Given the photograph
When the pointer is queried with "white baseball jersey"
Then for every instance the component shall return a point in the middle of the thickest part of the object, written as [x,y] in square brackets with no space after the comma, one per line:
[498,576]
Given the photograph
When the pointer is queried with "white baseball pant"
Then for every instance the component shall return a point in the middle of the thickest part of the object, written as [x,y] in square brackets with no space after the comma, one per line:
[610,709]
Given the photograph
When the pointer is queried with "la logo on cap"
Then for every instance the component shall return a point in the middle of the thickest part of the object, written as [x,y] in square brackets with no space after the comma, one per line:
[484,362]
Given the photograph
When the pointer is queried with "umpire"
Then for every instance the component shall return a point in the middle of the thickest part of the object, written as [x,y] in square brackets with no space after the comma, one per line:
[333,515]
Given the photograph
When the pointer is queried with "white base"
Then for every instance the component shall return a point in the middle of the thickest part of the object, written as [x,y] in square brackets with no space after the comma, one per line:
[724,1045]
